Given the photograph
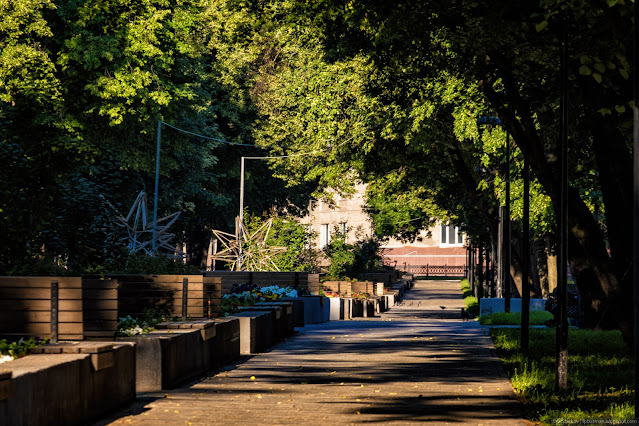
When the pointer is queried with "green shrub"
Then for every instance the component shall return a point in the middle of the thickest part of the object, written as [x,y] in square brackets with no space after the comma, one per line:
[350,260]
[144,264]
[20,348]
[471,302]
[514,318]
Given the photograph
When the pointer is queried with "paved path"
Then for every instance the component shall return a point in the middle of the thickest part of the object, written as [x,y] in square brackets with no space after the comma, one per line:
[417,363]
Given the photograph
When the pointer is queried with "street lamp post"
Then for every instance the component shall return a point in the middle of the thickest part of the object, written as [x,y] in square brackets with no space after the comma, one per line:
[157,186]
[525,267]
[507,233]
[562,317]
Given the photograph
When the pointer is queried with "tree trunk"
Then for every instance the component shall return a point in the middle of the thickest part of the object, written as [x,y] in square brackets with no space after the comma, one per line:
[551,262]
[602,292]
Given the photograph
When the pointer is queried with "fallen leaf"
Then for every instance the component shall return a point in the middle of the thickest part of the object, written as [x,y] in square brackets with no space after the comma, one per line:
[356,412]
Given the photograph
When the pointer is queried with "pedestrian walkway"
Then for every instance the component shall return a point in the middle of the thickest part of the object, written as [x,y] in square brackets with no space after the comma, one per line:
[418,363]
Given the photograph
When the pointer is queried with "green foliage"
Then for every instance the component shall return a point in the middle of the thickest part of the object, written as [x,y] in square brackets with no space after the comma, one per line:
[143,264]
[37,265]
[247,295]
[82,88]
[598,384]
[146,322]
[300,254]
[471,302]
[347,261]
[514,318]
[20,348]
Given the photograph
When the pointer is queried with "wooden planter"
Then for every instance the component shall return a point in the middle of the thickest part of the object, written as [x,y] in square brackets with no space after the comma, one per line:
[74,383]
[174,353]
[68,308]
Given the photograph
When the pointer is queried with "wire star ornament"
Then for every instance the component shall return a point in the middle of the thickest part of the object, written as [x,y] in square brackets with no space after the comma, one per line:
[245,251]
[140,231]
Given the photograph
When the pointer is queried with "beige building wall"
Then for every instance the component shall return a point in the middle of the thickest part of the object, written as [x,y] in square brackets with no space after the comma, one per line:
[441,247]
[346,212]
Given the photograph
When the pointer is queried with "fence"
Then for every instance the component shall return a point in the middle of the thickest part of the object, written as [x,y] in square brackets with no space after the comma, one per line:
[181,296]
[435,270]
[64,308]
[301,280]
[76,308]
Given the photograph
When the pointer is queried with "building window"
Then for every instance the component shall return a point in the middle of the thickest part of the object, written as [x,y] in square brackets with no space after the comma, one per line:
[325,235]
[343,230]
[451,236]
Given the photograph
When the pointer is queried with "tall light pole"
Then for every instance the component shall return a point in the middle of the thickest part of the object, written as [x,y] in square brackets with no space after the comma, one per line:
[157,187]
[525,267]
[239,225]
[506,233]
[562,221]
[636,198]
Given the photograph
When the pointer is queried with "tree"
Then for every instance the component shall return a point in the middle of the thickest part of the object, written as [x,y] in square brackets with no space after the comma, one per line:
[501,59]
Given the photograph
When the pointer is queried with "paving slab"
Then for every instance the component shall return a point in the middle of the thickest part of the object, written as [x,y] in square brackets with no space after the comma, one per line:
[417,363]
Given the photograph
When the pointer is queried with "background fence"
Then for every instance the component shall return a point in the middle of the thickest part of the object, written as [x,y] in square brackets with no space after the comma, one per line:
[300,280]
[435,270]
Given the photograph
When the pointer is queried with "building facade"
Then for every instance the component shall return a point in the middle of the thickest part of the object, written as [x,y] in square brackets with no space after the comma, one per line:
[440,246]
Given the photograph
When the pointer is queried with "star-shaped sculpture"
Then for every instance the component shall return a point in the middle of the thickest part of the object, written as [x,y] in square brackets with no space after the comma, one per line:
[140,232]
[245,251]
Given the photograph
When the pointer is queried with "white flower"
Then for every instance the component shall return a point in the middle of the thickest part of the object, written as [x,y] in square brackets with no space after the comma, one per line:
[5,358]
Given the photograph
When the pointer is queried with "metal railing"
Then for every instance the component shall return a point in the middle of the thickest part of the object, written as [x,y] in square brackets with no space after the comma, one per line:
[434,270]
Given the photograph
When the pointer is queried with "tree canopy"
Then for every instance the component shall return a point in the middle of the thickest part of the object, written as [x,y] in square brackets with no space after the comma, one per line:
[388,93]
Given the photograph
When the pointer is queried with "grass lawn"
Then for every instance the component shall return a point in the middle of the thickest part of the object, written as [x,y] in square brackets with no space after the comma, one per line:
[600,375]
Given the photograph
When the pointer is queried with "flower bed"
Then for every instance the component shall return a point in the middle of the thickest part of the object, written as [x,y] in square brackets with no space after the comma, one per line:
[249,294]
[10,350]
[129,326]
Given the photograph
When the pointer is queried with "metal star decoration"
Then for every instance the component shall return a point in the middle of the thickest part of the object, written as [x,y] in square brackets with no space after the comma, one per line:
[140,232]
[245,251]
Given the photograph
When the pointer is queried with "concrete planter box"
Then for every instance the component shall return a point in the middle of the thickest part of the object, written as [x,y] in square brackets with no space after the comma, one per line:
[298,310]
[496,304]
[383,307]
[288,320]
[346,308]
[365,308]
[227,340]
[173,354]
[279,326]
[374,301]
[67,388]
[256,331]
[398,290]
[335,305]
[389,300]
[316,308]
